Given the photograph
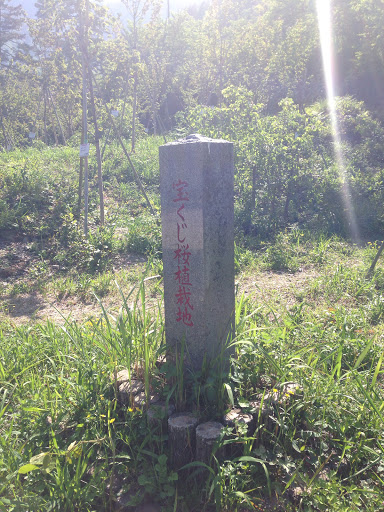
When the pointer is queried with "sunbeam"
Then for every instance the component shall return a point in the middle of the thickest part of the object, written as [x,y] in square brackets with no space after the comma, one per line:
[324,17]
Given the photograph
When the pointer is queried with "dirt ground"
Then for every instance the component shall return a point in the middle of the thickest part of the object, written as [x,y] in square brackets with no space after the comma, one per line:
[26,295]
[26,298]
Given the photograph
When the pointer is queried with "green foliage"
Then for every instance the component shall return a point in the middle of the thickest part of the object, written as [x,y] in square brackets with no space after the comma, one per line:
[285,169]
[310,373]
[71,248]
[37,188]
[158,481]
[282,255]
[144,235]
[38,199]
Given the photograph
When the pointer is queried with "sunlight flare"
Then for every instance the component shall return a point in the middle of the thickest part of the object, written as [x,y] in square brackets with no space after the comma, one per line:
[324,17]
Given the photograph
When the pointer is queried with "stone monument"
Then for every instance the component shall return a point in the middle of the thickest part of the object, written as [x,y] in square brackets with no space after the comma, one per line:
[197,212]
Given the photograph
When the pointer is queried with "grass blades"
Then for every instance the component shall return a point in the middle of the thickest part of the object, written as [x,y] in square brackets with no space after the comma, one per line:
[311,372]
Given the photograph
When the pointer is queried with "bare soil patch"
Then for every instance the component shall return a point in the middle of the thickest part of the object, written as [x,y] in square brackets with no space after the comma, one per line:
[26,297]
[282,287]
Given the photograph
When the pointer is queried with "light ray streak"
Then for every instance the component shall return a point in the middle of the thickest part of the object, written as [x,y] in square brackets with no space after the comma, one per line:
[324,17]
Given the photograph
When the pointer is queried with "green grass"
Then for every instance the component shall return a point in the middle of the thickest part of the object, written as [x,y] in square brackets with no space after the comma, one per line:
[65,437]
[39,201]
[306,315]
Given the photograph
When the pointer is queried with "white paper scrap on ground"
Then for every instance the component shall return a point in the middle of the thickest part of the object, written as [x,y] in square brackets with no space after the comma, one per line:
[32,135]
[114,113]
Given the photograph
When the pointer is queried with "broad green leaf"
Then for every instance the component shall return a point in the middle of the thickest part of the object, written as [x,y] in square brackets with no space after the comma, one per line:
[27,468]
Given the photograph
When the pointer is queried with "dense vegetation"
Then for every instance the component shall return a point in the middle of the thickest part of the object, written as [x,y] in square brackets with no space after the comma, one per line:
[247,71]
[307,312]
[68,443]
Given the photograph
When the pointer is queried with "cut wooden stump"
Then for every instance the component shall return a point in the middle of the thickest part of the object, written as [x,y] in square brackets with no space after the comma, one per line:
[182,438]
[130,391]
[206,436]
[158,414]
[236,416]
[232,419]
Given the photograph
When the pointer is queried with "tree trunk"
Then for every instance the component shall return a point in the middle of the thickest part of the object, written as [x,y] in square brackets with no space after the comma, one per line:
[83,30]
[57,117]
[254,169]
[6,140]
[372,267]
[53,126]
[134,105]
[138,181]
[80,176]
[286,205]
[105,143]
[97,144]
[134,112]
[45,118]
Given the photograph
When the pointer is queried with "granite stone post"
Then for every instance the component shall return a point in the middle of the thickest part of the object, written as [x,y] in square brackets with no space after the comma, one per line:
[197,211]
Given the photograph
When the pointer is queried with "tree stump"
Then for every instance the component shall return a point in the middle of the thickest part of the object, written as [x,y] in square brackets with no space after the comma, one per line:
[182,438]
[206,436]
[232,419]
[235,416]
[158,414]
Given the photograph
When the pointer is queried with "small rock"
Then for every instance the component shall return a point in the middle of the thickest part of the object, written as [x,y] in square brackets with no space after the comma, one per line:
[133,387]
[122,376]
[238,416]
[324,475]
[128,389]
[140,399]
[160,361]
[123,500]
[159,413]
[275,396]
[295,494]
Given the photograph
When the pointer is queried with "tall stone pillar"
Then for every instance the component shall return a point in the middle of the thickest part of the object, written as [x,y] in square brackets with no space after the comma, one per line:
[197,212]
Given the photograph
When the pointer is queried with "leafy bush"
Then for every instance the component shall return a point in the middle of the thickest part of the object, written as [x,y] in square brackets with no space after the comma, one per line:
[36,189]
[144,235]
[286,172]
[70,248]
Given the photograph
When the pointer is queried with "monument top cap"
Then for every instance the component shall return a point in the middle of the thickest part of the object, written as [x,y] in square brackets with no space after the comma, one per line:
[195,137]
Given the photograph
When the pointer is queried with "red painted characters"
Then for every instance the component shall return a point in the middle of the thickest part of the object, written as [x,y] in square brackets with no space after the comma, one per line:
[182,256]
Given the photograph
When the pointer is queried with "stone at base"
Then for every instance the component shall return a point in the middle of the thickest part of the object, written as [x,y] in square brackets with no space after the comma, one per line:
[140,400]
[121,376]
[158,414]
[128,389]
